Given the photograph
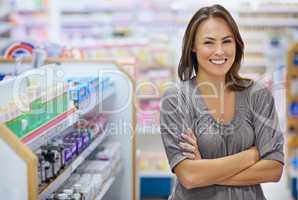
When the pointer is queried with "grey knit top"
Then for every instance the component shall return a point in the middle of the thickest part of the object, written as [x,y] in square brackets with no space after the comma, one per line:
[255,123]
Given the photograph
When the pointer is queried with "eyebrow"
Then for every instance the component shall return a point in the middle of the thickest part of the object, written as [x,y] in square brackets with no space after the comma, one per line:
[226,37]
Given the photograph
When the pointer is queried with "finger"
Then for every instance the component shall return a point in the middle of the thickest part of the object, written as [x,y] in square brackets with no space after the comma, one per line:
[189,155]
[191,133]
[189,139]
[187,147]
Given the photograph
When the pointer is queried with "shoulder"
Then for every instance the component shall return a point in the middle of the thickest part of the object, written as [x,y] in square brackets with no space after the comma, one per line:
[259,91]
[177,88]
[176,94]
[258,95]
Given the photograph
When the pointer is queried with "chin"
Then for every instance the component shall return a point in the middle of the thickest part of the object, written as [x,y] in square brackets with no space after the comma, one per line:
[218,72]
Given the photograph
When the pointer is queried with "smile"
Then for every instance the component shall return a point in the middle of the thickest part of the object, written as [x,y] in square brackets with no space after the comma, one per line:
[218,61]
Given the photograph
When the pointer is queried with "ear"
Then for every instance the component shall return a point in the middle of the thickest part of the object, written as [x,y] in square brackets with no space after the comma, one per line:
[194,50]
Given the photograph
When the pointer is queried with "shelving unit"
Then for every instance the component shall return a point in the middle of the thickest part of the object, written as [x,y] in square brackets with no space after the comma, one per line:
[105,188]
[292,119]
[118,102]
[6,26]
[270,9]
[30,19]
[89,106]
[72,167]
[51,129]
[108,184]
[260,26]
[4,11]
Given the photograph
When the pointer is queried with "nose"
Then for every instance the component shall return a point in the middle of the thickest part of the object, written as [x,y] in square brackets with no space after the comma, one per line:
[219,50]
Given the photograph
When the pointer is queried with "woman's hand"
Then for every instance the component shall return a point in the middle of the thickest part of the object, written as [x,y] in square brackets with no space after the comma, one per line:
[190,145]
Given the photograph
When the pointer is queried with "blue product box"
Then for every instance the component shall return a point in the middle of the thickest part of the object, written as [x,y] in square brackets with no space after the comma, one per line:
[294,109]
[79,92]
[156,187]
[295,61]
[92,83]
[294,191]
[294,188]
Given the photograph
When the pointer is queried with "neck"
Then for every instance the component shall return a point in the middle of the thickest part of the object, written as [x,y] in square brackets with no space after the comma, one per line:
[210,85]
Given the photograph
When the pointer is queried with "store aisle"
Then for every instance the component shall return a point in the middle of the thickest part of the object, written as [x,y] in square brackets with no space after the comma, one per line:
[277,191]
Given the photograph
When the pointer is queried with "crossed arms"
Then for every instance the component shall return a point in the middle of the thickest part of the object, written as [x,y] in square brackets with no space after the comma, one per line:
[241,169]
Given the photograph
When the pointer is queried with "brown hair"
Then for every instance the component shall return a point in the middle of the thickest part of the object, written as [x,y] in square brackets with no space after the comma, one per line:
[188,61]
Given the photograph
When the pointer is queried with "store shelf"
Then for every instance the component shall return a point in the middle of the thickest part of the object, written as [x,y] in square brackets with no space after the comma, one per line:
[4,12]
[255,49]
[33,10]
[255,63]
[73,166]
[116,43]
[105,188]
[107,185]
[269,22]
[253,35]
[4,41]
[33,24]
[51,129]
[96,9]
[4,27]
[90,105]
[270,9]
[26,167]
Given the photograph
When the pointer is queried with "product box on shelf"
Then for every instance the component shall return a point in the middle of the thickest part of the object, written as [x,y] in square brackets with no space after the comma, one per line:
[154,172]
[78,91]
[40,107]
[82,88]
[93,176]
[61,151]
[80,186]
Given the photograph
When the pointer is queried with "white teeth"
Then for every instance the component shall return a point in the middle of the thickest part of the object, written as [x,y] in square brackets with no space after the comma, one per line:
[218,62]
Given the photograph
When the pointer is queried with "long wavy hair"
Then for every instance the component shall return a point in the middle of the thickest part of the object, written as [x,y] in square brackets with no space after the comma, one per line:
[188,61]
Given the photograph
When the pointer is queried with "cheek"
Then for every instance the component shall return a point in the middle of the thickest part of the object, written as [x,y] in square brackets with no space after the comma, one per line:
[230,50]
[204,52]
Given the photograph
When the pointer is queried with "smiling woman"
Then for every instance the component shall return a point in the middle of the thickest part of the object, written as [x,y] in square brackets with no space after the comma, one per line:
[208,28]
[214,47]
[220,131]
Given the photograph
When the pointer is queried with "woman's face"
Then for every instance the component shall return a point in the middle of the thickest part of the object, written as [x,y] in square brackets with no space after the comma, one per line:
[215,47]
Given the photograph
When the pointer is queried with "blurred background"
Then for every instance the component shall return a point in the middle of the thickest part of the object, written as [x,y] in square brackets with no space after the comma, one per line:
[150,33]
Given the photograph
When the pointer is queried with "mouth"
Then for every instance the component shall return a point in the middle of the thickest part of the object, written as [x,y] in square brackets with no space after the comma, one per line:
[218,61]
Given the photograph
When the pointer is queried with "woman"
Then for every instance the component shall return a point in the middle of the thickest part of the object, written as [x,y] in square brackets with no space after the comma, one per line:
[220,131]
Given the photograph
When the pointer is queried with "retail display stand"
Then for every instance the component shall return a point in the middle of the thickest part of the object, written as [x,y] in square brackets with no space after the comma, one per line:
[292,92]
[292,99]
[18,174]
[292,117]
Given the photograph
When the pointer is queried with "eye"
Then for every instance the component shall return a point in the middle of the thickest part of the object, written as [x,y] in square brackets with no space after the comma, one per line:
[227,41]
[208,42]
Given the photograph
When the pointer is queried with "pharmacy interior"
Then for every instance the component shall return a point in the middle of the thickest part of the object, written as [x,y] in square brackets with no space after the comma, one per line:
[81,83]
